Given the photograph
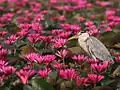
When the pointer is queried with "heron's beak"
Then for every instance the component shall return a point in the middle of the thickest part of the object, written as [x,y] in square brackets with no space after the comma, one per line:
[73,37]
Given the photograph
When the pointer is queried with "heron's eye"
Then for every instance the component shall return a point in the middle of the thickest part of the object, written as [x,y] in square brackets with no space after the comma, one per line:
[81,32]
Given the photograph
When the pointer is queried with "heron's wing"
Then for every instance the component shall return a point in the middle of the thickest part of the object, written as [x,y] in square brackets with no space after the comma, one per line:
[97,49]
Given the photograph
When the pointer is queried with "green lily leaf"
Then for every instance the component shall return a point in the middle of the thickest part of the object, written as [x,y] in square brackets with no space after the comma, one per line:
[4,88]
[18,86]
[53,74]
[107,82]
[40,84]
[27,87]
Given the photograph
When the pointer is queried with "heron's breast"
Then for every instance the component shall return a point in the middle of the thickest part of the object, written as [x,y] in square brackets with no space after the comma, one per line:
[83,45]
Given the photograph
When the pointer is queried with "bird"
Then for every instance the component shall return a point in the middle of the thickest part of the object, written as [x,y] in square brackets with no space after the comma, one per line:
[92,46]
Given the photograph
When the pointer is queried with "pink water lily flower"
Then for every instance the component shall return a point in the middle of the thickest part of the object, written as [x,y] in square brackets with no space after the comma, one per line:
[3,33]
[3,53]
[117,59]
[44,73]
[33,38]
[94,78]
[68,74]
[99,68]
[37,27]
[93,61]
[80,58]
[3,63]
[81,81]
[58,43]
[25,75]
[58,65]
[48,59]
[64,35]
[9,70]
[32,57]
[12,39]
[62,53]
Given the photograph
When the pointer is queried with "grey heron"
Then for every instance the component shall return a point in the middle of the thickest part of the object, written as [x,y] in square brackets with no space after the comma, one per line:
[94,47]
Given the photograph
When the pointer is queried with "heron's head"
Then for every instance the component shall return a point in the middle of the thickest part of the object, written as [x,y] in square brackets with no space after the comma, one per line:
[81,36]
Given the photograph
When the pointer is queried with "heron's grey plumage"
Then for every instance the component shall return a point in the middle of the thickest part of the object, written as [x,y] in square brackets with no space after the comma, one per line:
[94,47]
[98,49]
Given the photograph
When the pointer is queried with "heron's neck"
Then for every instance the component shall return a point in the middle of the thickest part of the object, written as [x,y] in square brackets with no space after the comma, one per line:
[83,38]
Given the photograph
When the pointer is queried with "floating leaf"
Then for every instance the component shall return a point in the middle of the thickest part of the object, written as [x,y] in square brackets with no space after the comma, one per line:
[103,88]
[27,87]
[110,38]
[15,60]
[11,28]
[72,43]
[18,86]
[107,82]
[116,72]
[4,88]
[26,50]
[77,50]
[66,85]
[53,74]
[41,84]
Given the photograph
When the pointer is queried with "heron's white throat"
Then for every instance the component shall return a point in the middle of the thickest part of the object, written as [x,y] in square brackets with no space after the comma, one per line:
[83,36]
